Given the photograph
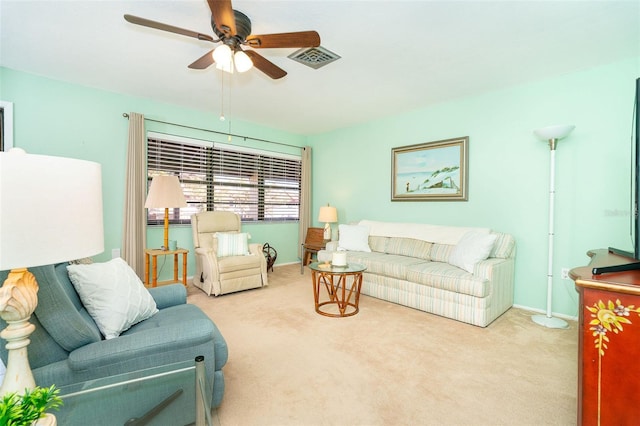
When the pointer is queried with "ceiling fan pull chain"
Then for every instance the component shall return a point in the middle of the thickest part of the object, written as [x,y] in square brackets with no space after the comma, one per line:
[230,82]
[222,96]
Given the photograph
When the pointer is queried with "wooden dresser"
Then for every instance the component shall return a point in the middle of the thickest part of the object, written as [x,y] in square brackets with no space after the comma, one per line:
[609,343]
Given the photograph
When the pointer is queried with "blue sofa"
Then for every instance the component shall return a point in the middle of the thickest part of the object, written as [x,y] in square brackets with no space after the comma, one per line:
[67,346]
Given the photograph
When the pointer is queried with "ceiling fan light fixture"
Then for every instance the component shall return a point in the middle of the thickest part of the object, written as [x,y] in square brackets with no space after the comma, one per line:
[222,55]
[242,61]
[233,29]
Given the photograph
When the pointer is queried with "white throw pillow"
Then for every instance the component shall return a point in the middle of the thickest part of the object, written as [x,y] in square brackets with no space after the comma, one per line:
[232,244]
[113,294]
[353,237]
[473,247]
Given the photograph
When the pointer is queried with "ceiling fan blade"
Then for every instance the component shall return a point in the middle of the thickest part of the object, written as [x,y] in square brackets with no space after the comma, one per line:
[165,27]
[266,66]
[223,16]
[205,61]
[296,39]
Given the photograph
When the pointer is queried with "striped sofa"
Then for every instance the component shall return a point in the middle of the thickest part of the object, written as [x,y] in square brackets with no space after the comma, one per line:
[409,264]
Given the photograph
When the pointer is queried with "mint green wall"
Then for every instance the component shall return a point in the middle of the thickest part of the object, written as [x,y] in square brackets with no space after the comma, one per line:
[508,166]
[508,170]
[57,118]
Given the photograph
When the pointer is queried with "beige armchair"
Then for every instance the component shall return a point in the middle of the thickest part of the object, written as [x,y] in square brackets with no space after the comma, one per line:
[225,263]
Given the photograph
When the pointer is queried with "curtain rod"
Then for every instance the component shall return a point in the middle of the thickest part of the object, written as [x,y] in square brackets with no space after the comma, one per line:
[125,115]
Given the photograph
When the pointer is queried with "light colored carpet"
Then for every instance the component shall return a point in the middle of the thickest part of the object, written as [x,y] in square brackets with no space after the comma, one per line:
[387,365]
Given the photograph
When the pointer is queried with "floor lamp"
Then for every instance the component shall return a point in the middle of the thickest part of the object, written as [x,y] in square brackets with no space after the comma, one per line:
[50,212]
[552,134]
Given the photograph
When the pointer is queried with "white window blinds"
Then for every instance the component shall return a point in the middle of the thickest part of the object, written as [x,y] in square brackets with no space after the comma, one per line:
[257,185]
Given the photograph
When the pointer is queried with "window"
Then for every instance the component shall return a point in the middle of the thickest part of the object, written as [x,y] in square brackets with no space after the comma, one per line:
[260,186]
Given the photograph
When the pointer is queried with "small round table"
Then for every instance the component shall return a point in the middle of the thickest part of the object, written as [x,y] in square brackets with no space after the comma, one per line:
[343,299]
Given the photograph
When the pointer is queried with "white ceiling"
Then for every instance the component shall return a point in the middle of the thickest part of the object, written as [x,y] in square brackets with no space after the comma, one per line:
[396,55]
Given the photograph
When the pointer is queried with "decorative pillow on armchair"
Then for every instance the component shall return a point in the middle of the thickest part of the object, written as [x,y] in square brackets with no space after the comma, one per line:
[232,244]
[113,294]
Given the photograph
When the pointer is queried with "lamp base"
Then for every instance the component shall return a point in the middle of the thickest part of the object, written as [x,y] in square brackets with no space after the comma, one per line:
[549,322]
[18,300]
[327,232]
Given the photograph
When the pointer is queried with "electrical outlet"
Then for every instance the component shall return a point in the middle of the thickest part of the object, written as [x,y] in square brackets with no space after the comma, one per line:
[565,273]
[115,253]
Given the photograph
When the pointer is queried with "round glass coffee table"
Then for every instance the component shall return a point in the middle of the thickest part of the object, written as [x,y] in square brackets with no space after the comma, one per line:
[342,285]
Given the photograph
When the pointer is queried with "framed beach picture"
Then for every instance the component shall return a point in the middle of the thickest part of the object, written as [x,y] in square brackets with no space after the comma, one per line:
[433,171]
[6,125]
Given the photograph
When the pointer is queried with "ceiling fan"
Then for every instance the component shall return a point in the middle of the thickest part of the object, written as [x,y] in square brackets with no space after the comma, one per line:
[233,29]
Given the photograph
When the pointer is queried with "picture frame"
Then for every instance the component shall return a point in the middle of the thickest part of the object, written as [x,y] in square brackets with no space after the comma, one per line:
[6,125]
[432,171]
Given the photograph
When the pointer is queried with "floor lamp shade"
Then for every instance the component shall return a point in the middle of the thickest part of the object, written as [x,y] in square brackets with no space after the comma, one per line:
[552,134]
[165,192]
[50,212]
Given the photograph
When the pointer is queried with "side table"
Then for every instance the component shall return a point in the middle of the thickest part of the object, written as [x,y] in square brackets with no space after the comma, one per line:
[341,295]
[160,395]
[152,254]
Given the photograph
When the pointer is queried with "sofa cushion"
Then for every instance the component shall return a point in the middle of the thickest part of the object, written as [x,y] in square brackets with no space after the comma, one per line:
[175,318]
[379,244]
[471,249]
[43,349]
[239,263]
[409,247]
[441,252]
[113,294]
[504,246]
[353,237]
[368,259]
[448,277]
[60,309]
[389,265]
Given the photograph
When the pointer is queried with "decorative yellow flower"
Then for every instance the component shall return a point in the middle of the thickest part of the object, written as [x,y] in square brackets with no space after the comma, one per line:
[608,317]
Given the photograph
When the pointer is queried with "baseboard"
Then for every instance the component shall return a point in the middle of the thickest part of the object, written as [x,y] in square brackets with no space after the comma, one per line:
[541,311]
[297,262]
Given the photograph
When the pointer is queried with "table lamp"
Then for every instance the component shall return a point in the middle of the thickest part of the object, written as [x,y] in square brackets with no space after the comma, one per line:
[165,192]
[50,212]
[327,215]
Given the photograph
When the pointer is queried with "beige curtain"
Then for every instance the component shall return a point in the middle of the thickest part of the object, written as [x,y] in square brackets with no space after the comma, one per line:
[305,198]
[134,233]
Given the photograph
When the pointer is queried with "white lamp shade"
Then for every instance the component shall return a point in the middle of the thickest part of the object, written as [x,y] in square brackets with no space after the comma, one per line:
[328,214]
[242,61]
[50,209]
[165,192]
[554,132]
[222,54]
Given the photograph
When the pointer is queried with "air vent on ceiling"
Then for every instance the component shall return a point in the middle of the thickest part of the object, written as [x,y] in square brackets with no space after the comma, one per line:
[314,57]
